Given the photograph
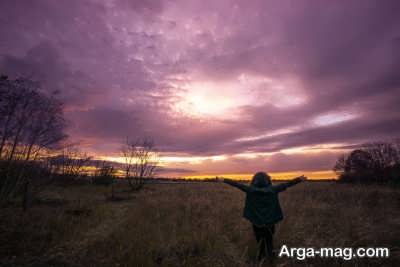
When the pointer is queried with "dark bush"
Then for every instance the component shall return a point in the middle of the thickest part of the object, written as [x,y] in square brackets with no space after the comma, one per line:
[371,163]
[102,180]
[104,176]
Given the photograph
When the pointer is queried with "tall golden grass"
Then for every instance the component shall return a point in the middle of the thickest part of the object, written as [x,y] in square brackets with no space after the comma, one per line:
[194,225]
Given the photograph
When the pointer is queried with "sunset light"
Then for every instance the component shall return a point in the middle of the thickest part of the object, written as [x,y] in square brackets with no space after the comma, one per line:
[207,99]
[201,133]
[226,89]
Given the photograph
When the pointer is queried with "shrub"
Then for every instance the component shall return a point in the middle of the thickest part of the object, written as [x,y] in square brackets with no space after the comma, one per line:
[104,176]
[372,163]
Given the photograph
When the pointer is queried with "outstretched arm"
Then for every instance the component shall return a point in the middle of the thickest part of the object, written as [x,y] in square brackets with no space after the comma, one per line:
[283,186]
[242,187]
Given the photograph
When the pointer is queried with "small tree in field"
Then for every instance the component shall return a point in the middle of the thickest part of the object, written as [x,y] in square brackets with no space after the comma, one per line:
[141,161]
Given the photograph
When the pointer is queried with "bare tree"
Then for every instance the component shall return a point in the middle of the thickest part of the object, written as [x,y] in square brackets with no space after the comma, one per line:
[70,162]
[46,126]
[30,121]
[14,100]
[141,161]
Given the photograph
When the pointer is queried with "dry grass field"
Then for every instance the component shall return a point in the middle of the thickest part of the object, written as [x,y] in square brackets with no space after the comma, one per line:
[194,225]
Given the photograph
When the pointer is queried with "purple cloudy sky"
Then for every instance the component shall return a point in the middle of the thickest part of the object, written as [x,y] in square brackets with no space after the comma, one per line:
[221,86]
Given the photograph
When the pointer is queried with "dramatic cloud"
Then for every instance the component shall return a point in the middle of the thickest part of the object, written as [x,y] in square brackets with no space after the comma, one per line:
[215,78]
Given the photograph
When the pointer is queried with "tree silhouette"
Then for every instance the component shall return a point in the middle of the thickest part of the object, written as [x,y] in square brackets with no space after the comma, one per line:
[31,121]
[141,161]
[373,162]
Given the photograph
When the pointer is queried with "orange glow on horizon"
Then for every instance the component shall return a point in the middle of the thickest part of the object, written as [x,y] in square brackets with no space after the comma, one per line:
[201,167]
[312,175]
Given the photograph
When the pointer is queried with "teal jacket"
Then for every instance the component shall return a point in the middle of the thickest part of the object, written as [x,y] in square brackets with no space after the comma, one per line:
[262,204]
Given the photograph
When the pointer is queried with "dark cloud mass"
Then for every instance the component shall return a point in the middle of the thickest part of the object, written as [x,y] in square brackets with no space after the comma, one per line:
[208,78]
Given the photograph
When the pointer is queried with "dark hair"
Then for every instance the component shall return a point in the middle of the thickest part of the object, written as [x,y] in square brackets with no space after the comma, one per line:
[261,179]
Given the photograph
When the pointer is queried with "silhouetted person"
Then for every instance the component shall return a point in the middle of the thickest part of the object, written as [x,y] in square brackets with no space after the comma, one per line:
[262,208]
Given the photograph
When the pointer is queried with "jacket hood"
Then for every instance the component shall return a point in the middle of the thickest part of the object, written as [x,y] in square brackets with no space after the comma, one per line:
[261,179]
